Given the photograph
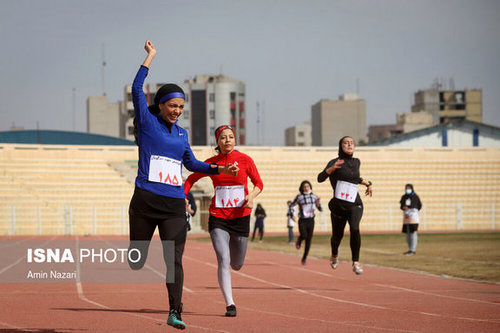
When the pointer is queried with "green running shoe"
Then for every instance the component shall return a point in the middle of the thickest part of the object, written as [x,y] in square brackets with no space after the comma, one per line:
[175,320]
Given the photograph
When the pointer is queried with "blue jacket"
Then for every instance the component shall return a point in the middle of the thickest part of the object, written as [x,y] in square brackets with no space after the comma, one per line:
[155,138]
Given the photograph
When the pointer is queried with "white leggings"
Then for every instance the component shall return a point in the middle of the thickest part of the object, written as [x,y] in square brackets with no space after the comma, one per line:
[230,250]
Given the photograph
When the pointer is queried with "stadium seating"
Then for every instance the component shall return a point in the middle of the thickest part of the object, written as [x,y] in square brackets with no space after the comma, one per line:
[87,189]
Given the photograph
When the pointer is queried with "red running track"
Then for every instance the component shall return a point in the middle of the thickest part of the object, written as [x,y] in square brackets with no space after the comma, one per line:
[273,293]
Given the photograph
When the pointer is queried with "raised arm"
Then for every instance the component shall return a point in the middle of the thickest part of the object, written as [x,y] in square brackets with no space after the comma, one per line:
[150,49]
[138,97]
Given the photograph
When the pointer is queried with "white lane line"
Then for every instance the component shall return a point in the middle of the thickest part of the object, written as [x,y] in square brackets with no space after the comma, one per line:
[81,295]
[17,327]
[9,244]
[20,259]
[12,265]
[321,320]
[155,271]
[350,302]
[436,295]
[293,288]
[389,286]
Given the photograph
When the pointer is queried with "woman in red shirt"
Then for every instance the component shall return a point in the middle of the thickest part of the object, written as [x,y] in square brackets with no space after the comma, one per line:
[230,209]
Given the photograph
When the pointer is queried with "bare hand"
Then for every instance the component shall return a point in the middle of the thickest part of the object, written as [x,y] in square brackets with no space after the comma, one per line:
[368,191]
[248,201]
[318,202]
[150,48]
[230,169]
[334,167]
[187,204]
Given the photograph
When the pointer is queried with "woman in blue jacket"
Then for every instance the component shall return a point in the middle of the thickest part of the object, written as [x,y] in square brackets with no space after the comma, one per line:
[158,198]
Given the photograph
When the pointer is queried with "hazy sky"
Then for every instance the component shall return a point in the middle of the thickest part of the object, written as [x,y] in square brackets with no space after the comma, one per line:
[290,54]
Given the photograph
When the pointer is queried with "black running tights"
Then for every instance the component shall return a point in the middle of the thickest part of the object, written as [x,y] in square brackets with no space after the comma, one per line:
[172,229]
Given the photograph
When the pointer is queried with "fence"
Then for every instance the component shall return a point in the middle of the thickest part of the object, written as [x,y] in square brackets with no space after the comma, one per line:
[95,219]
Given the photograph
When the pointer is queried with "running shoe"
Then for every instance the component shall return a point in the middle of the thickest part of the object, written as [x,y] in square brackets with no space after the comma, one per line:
[303,261]
[231,311]
[334,261]
[356,268]
[297,246]
[409,253]
[175,320]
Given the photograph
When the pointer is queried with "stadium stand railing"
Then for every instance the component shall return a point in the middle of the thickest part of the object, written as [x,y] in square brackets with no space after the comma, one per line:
[87,189]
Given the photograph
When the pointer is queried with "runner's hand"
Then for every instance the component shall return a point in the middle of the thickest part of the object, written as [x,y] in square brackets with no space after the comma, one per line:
[150,48]
[368,191]
[248,201]
[334,167]
[229,169]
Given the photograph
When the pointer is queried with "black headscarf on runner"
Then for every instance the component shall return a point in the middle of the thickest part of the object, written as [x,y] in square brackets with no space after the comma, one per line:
[302,186]
[343,155]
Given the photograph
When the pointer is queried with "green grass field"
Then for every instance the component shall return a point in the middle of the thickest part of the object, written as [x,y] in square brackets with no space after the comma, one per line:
[465,255]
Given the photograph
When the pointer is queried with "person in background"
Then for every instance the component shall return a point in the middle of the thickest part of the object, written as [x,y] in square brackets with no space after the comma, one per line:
[410,205]
[307,202]
[190,209]
[290,217]
[346,205]
[260,215]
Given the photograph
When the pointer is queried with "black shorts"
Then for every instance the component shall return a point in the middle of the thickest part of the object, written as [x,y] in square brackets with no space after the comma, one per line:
[410,228]
[239,226]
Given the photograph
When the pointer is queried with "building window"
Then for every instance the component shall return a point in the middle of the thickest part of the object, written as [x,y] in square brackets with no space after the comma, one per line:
[212,129]
[212,114]
[211,97]
[131,113]
[131,130]
[186,114]
[232,96]
[300,143]
[300,134]
[187,97]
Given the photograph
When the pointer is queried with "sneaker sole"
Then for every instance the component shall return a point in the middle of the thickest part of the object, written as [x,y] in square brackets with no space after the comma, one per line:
[179,325]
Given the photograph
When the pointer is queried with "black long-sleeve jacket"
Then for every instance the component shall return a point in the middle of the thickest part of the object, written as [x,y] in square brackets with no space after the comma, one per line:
[349,172]
[414,201]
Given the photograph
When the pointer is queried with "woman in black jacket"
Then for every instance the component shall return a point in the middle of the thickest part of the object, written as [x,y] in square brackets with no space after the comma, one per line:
[346,205]
[410,205]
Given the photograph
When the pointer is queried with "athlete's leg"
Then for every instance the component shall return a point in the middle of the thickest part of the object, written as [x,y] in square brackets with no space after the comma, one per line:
[238,251]
[141,230]
[220,241]
[338,225]
[310,230]
[174,229]
[355,238]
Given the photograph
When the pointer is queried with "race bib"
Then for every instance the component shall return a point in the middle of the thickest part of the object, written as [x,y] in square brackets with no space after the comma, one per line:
[411,216]
[229,196]
[165,170]
[346,191]
[308,210]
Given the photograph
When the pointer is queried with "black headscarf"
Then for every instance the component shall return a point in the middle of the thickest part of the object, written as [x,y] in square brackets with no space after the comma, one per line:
[302,186]
[410,186]
[342,154]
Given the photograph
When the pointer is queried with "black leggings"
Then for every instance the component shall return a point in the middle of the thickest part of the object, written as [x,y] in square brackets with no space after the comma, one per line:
[340,215]
[173,229]
[260,227]
[306,229]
